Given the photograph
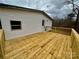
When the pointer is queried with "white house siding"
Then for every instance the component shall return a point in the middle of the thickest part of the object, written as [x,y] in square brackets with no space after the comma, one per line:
[31,22]
[48,22]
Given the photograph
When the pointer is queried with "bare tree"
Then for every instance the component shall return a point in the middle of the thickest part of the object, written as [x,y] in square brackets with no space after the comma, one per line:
[75,11]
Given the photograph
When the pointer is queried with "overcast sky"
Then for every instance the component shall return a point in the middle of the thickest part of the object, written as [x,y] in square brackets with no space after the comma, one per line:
[54,7]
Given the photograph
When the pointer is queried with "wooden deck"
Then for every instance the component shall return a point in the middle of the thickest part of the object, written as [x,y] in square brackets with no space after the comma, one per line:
[45,45]
[2,44]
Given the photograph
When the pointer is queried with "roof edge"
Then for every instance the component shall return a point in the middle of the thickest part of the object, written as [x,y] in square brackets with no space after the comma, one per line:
[24,8]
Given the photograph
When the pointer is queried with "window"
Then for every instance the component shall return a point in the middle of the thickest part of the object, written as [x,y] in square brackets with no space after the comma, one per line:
[43,21]
[0,25]
[15,25]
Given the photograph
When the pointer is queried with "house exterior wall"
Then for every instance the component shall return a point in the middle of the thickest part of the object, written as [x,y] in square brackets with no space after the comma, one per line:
[31,22]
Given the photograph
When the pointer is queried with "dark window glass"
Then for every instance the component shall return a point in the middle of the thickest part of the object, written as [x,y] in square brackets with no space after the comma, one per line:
[0,25]
[43,21]
[15,25]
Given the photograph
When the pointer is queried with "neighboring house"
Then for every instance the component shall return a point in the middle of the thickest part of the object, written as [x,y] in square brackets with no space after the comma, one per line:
[19,21]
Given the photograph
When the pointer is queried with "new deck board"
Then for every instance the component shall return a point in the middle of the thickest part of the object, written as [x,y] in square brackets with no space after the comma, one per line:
[46,45]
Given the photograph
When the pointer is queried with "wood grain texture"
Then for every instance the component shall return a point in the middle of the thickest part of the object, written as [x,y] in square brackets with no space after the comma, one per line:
[45,45]
[2,44]
[75,44]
